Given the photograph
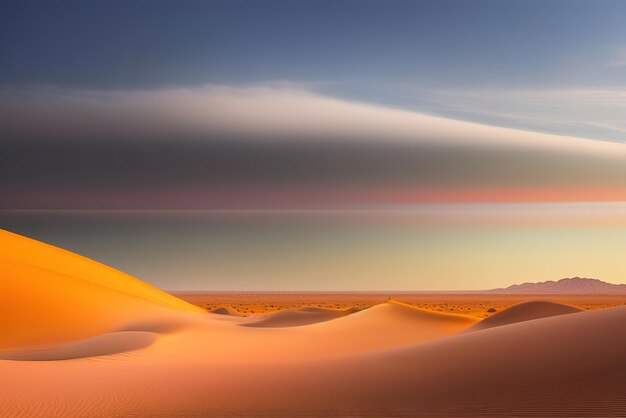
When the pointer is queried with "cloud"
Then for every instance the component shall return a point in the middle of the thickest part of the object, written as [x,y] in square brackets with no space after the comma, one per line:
[279,146]
[274,112]
[595,113]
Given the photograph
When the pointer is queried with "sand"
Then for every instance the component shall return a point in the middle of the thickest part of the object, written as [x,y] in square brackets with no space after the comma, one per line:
[526,311]
[131,350]
[50,295]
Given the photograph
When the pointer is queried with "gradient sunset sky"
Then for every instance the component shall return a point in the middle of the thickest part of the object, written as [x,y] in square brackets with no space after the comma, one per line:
[283,145]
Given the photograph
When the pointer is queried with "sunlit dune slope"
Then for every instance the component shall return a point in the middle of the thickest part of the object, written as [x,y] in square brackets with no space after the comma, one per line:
[394,312]
[388,324]
[50,295]
[524,312]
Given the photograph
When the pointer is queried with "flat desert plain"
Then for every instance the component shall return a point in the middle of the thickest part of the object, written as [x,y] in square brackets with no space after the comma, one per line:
[473,304]
[82,339]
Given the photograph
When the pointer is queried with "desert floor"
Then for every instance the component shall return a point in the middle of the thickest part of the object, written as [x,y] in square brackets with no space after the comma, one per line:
[476,305]
[81,339]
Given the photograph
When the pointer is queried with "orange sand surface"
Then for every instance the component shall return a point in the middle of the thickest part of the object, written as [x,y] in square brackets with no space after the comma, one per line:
[81,339]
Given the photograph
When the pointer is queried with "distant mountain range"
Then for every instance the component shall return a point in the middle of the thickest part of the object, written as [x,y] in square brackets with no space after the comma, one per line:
[567,286]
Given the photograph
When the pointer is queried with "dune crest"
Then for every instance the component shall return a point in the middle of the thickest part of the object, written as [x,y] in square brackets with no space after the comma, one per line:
[393,323]
[525,311]
[70,297]
[299,317]
[403,311]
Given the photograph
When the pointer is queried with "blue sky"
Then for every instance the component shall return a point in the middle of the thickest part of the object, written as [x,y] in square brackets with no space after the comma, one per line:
[507,58]
[429,43]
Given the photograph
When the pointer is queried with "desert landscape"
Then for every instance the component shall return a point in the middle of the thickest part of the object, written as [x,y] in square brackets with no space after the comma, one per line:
[82,339]
[477,304]
[312,208]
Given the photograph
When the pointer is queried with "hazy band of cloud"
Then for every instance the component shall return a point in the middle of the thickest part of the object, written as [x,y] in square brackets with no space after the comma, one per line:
[273,146]
[281,111]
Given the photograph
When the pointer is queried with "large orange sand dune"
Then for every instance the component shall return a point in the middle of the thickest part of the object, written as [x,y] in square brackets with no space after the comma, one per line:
[52,295]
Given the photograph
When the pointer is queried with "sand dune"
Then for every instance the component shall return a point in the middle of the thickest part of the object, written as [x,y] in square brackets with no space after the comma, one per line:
[547,364]
[224,311]
[300,317]
[388,325]
[399,311]
[116,350]
[51,295]
[398,321]
[506,370]
[524,312]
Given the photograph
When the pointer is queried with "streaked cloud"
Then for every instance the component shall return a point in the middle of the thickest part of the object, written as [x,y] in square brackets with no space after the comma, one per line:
[281,145]
[290,112]
[591,112]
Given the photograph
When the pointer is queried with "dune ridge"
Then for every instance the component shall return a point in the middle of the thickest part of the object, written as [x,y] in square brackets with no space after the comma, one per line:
[298,317]
[78,297]
[395,312]
[525,311]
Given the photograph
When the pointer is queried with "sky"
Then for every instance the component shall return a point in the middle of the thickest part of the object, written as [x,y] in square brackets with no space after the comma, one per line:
[387,107]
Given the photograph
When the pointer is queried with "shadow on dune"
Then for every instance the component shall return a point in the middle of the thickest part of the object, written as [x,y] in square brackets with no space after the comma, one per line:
[101,345]
[162,326]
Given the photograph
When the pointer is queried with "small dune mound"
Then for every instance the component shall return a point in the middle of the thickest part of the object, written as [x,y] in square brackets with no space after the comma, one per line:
[224,311]
[300,317]
[524,312]
[395,312]
[388,324]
